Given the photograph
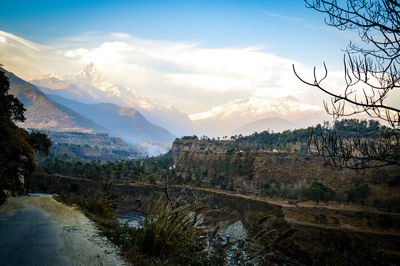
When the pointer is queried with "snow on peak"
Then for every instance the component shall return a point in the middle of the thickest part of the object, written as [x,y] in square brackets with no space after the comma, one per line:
[54,75]
[91,77]
[254,106]
[89,69]
[92,82]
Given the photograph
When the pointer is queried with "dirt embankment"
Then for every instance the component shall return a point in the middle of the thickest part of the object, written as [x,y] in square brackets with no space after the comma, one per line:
[77,239]
[326,232]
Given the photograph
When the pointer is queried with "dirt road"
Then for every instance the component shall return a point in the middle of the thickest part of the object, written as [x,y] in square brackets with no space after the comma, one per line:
[42,231]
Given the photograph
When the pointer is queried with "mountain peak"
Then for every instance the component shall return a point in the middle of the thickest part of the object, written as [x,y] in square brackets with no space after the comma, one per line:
[89,68]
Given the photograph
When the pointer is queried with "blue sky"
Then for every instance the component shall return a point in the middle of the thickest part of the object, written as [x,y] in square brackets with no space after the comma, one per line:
[177,52]
[285,28]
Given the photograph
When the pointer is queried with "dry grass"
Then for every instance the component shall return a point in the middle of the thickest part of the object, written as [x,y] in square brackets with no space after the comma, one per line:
[54,208]
[49,205]
[10,205]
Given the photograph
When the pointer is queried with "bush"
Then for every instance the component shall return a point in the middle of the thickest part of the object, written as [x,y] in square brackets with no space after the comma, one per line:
[320,218]
[173,235]
[169,236]
[391,204]
[319,192]
[270,191]
[359,193]
[95,203]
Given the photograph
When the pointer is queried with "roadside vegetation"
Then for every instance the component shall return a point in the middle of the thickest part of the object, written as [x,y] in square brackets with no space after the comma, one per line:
[170,235]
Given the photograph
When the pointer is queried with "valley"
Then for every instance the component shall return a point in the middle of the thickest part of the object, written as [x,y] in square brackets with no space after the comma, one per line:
[334,212]
[354,229]
[89,147]
[207,133]
[108,159]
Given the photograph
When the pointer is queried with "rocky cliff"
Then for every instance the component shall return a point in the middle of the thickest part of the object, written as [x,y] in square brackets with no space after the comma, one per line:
[228,165]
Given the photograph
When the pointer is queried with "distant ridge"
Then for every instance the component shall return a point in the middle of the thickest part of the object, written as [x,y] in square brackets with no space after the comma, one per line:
[43,113]
[91,86]
[125,122]
[275,124]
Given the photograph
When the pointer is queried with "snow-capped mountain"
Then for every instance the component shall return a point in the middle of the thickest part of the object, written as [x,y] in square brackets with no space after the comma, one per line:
[91,86]
[241,115]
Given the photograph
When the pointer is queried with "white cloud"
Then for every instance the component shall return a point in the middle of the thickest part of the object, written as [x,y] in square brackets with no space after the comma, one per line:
[209,82]
[187,75]
[120,35]
[76,52]
[24,42]
[186,71]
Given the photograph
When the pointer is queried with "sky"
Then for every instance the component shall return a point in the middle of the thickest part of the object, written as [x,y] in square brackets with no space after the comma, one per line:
[178,52]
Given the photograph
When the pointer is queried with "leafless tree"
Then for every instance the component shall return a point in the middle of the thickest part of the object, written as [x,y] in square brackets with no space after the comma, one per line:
[371,75]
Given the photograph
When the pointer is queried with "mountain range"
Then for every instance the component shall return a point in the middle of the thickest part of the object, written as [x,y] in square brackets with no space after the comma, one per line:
[242,116]
[51,112]
[91,86]
[43,113]
[89,101]
[254,114]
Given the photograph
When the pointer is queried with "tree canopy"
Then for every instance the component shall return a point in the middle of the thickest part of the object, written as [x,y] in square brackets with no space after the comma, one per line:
[10,107]
[16,156]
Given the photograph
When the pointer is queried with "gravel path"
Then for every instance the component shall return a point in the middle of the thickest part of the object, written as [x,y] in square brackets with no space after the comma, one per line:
[42,231]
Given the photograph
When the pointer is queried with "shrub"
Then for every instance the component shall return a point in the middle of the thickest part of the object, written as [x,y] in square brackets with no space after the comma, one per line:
[170,235]
[95,203]
[270,191]
[359,193]
[173,235]
[320,218]
[319,192]
[391,204]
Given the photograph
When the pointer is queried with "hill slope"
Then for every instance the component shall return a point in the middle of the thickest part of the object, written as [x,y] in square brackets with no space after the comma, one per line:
[43,113]
[125,122]
[234,117]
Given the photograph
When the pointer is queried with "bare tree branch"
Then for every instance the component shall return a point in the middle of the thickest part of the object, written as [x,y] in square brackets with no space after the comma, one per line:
[371,73]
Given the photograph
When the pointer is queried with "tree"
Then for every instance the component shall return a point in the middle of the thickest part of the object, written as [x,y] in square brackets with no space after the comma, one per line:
[16,153]
[318,192]
[11,109]
[359,193]
[16,156]
[371,75]
[39,142]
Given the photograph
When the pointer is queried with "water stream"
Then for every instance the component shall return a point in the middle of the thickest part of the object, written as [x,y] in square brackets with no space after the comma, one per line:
[131,218]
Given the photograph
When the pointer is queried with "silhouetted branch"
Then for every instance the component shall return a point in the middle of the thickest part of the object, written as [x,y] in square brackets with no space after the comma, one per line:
[371,73]
[356,153]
